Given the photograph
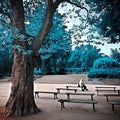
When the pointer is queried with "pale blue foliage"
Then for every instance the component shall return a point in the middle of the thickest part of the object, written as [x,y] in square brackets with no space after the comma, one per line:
[27,52]
[18,47]
[6,36]
[105,62]
[105,67]
[104,73]
[20,36]
[35,20]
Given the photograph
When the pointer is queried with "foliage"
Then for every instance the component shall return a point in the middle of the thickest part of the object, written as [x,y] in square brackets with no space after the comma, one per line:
[6,61]
[105,67]
[34,18]
[105,62]
[37,72]
[83,56]
[115,54]
[108,21]
[56,47]
[104,73]
[57,40]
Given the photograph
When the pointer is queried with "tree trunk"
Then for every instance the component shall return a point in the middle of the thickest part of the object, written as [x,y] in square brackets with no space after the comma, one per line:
[21,100]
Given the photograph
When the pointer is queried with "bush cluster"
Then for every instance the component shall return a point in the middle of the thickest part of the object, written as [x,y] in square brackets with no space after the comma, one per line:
[104,73]
[105,68]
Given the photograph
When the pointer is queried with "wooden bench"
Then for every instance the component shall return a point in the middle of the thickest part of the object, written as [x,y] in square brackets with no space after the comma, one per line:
[87,94]
[58,89]
[112,102]
[62,101]
[48,92]
[107,88]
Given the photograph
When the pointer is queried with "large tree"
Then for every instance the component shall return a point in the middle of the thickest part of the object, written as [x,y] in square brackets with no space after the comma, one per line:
[21,99]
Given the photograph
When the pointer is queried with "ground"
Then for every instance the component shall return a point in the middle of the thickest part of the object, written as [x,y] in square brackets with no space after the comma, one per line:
[51,108]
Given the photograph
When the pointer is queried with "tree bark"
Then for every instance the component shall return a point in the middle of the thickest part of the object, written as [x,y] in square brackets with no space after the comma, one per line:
[21,100]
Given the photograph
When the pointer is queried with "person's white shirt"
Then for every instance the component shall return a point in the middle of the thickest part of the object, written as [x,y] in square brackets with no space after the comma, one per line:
[80,82]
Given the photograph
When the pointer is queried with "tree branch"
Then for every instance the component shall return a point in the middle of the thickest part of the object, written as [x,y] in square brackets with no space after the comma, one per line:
[82,7]
[57,2]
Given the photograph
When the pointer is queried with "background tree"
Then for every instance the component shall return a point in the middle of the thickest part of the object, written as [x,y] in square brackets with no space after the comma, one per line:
[56,45]
[6,61]
[115,53]
[83,56]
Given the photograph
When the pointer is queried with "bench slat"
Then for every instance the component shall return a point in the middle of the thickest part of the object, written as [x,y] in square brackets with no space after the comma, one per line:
[114,102]
[45,92]
[73,87]
[78,101]
[107,87]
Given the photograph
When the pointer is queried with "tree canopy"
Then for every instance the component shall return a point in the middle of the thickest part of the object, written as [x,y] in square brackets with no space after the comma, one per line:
[99,16]
[108,21]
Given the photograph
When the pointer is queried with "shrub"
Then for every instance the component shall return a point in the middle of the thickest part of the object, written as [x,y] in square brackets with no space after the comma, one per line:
[104,73]
[105,62]
[105,68]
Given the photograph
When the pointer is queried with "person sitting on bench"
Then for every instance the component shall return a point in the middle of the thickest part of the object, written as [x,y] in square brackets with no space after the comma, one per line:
[83,86]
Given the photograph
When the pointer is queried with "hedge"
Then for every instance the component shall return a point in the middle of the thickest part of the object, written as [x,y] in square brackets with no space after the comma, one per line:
[104,73]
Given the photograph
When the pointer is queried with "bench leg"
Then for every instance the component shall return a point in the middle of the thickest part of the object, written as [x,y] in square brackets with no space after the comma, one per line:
[68,96]
[94,107]
[36,95]
[55,96]
[98,93]
[62,105]
[58,90]
[75,91]
[91,97]
[112,107]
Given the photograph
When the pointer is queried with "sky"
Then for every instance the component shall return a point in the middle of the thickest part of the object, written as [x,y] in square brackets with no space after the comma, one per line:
[106,48]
